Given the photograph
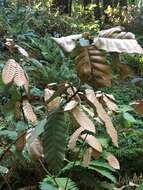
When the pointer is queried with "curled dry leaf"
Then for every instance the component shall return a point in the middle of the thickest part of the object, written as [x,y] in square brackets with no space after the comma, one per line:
[28,112]
[20,77]
[107,100]
[95,154]
[138,107]
[48,93]
[35,148]
[116,32]
[13,72]
[9,71]
[68,43]
[83,120]
[116,40]
[71,91]
[22,51]
[93,142]
[103,116]
[110,104]
[74,137]
[92,68]
[87,157]
[70,105]
[54,103]
[112,160]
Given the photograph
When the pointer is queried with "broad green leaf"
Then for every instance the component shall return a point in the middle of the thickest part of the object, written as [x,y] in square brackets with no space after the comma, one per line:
[127,116]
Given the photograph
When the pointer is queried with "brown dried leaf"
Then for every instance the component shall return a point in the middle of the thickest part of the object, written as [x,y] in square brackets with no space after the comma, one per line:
[74,137]
[28,112]
[93,142]
[110,104]
[68,43]
[112,160]
[9,71]
[48,93]
[103,115]
[70,105]
[83,120]
[87,157]
[20,77]
[92,68]
[138,106]
[115,40]
[95,154]
[35,149]
[20,142]
[116,32]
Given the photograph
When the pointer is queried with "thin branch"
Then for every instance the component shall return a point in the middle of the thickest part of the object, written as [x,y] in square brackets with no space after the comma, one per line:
[75,161]
[45,169]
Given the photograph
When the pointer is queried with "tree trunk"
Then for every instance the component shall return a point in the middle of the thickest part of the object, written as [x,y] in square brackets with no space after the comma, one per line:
[62,5]
[97,11]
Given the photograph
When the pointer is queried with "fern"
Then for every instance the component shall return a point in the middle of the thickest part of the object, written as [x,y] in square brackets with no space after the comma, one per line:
[54,139]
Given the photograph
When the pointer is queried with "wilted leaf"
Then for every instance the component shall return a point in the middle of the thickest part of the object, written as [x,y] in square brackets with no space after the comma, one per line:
[103,115]
[110,104]
[115,40]
[70,105]
[20,142]
[28,112]
[92,68]
[84,121]
[22,51]
[138,106]
[93,142]
[35,148]
[112,160]
[68,43]
[74,137]
[87,157]
[48,93]
[20,78]
[116,32]
[9,71]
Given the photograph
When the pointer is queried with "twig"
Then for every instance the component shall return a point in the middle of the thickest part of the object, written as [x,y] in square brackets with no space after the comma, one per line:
[75,162]
[9,147]
[45,169]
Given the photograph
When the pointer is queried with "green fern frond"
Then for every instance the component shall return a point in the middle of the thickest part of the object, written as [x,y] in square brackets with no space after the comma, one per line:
[54,139]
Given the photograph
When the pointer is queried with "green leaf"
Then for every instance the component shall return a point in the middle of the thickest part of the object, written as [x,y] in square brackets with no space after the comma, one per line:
[54,139]
[45,186]
[127,116]
[102,164]
[104,173]
[60,182]
[3,170]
